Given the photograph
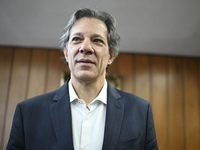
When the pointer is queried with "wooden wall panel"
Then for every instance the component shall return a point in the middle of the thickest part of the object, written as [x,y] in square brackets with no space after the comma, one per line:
[199,88]
[126,71]
[142,76]
[6,55]
[113,69]
[159,99]
[171,84]
[54,69]
[38,72]
[175,104]
[18,86]
[191,99]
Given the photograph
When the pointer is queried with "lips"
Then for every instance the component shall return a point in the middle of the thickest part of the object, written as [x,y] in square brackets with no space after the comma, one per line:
[86,60]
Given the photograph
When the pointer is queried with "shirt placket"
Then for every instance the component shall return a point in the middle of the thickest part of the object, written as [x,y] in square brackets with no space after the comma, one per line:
[86,131]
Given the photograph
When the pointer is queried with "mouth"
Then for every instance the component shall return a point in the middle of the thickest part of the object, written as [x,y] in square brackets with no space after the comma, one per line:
[85,61]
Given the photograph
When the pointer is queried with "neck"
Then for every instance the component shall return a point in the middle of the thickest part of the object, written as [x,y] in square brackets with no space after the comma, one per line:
[87,91]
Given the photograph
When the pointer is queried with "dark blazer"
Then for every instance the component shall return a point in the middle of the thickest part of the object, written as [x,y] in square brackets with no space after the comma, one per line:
[44,123]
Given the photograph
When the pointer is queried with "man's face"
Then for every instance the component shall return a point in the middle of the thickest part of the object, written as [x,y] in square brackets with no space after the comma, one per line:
[87,51]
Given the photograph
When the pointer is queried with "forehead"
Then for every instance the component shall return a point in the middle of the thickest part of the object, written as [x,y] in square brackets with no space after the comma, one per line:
[90,26]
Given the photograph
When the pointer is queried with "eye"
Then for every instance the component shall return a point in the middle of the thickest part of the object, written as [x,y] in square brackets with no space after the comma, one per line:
[98,41]
[76,39]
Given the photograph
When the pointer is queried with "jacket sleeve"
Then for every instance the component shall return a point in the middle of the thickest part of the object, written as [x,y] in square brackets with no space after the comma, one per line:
[16,140]
[151,141]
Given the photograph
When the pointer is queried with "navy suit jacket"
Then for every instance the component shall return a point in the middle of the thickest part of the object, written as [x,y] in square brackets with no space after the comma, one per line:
[44,123]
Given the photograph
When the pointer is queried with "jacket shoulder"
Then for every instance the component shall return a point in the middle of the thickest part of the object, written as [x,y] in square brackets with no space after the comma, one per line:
[39,98]
[131,98]
[47,97]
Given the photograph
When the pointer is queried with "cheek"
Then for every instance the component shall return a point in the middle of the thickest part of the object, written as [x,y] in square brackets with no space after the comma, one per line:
[68,57]
[104,60]
[71,58]
[72,51]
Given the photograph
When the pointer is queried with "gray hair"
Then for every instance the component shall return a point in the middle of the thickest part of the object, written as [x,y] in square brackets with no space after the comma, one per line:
[113,36]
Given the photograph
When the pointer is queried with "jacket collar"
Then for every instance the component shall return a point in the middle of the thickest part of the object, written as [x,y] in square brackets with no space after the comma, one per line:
[62,122]
[114,117]
[61,117]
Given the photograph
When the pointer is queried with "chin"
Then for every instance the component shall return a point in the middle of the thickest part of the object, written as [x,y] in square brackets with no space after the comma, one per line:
[86,76]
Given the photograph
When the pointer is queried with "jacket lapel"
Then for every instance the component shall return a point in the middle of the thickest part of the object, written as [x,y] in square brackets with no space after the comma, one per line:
[114,117]
[61,118]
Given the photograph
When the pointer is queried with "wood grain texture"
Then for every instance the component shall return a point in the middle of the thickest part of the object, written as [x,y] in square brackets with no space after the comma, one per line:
[6,55]
[54,69]
[18,86]
[142,76]
[175,104]
[191,100]
[38,72]
[126,71]
[171,84]
[159,98]
[114,68]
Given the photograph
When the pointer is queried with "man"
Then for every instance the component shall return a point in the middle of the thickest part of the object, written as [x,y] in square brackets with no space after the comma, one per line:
[86,112]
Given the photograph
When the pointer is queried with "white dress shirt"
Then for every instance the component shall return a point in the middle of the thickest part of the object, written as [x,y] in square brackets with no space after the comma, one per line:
[88,124]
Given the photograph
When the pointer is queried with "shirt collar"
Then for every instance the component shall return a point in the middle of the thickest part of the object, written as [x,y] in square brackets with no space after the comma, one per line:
[72,92]
[101,97]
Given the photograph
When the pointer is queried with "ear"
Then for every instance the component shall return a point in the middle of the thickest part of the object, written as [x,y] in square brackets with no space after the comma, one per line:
[111,59]
[65,54]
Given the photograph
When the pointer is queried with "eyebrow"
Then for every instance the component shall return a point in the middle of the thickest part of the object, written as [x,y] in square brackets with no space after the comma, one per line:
[97,35]
[79,34]
[93,35]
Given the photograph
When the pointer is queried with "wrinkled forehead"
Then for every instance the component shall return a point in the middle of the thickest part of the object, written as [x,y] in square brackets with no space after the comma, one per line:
[89,26]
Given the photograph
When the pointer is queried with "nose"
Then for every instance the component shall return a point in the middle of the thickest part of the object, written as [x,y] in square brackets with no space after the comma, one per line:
[86,47]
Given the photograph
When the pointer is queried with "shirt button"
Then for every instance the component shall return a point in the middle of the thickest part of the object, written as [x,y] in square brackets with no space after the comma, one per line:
[86,118]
